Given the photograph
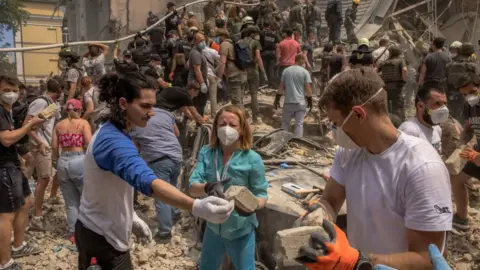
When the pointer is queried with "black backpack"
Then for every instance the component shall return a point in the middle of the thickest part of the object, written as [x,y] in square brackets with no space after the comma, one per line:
[243,55]
[20,112]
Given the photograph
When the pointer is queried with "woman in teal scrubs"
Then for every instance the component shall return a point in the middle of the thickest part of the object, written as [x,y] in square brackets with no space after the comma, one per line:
[229,160]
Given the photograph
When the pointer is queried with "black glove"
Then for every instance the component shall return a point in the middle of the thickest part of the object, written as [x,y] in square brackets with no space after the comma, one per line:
[276,104]
[310,103]
[216,188]
[242,213]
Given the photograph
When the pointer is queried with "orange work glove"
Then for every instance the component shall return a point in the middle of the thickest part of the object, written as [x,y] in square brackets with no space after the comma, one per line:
[170,76]
[468,154]
[327,254]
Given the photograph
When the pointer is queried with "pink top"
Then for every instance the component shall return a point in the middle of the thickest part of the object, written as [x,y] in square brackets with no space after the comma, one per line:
[70,140]
[289,48]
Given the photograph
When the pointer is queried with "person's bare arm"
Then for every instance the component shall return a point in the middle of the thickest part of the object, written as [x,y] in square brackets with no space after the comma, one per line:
[421,77]
[258,58]
[175,129]
[104,47]
[197,190]
[417,257]
[87,134]
[115,51]
[55,149]
[278,53]
[32,134]
[171,195]
[192,114]
[198,74]
[333,198]
[174,63]
[404,74]
[308,90]
[467,133]
[281,89]
[10,137]
[305,58]
[89,110]
[72,90]
[221,66]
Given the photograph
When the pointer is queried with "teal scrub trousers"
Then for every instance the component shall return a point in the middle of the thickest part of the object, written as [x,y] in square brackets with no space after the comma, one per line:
[241,251]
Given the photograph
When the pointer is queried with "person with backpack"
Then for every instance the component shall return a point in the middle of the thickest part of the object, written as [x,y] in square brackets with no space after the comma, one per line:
[236,76]
[40,147]
[252,38]
[212,57]
[73,72]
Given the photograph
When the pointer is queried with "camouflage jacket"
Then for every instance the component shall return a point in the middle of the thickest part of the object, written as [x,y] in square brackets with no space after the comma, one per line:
[350,16]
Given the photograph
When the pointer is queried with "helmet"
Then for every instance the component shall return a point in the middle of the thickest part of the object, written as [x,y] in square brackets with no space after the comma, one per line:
[456,44]
[247,20]
[356,2]
[363,41]
[467,49]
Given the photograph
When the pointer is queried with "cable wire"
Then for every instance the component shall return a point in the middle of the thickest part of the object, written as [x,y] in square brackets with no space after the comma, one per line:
[59,45]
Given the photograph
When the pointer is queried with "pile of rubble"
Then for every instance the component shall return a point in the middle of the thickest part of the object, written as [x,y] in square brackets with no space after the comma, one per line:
[182,253]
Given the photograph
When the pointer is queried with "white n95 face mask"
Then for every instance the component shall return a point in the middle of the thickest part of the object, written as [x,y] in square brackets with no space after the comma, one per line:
[9,97]
[473,99]
[227,135]
[439,115]
[340,137]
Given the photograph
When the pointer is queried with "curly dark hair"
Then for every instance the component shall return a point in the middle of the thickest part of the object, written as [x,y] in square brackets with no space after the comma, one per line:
[114,86]
[354,87]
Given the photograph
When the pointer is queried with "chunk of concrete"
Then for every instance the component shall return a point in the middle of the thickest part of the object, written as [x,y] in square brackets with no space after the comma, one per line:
[288,242]
[48,112]
[243,198]
[454,163]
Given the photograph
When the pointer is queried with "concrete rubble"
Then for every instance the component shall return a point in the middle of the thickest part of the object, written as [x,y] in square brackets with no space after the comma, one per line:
[243,197]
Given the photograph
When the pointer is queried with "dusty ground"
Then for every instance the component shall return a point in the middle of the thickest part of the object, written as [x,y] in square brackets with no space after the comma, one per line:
[59,253]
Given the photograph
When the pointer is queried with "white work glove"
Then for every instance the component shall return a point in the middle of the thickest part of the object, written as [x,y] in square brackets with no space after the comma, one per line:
[213,209]
[203,88]
[141,229]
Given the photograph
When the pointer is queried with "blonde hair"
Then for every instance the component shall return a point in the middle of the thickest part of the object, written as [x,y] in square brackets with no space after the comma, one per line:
[246,137]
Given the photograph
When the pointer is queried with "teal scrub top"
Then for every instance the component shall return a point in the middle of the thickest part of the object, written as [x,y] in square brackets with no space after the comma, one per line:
[245,169]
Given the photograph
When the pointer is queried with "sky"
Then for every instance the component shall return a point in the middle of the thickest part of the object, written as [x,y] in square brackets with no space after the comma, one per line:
[9,38]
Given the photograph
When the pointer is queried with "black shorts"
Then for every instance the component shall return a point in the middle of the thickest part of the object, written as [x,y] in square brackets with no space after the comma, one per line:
[90,244]
[14,188]
[22,149]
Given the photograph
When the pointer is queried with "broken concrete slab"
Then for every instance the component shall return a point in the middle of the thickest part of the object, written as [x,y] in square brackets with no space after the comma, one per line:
[454,163]
[288,242]
[244,198]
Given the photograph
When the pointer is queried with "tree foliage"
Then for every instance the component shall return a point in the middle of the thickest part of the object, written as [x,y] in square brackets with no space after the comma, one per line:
[12,14]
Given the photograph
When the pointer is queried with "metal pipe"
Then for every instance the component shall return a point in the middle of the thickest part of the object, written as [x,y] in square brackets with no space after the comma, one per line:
[51,46]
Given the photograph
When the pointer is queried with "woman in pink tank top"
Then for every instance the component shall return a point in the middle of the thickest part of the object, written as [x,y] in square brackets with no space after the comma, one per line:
[70,138]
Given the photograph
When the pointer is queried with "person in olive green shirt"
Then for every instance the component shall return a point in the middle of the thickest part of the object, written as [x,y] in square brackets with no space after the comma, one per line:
[229,161]
[252,36]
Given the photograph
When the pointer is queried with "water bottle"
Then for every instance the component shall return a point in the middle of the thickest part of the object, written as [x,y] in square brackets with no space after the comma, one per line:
[94,265]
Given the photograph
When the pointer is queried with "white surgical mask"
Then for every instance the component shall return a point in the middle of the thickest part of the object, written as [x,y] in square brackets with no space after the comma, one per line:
[227,135]
[473,99]
[439,115]
[453,55]
[340,137]
[9,97]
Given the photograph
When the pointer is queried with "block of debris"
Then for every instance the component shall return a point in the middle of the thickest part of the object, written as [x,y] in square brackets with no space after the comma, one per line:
[48,112]
[454,163]
[288,242]
[244,198]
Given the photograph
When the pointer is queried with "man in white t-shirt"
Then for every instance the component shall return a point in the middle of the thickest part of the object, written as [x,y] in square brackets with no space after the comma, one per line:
[396,186]
[94,61]
[432,111]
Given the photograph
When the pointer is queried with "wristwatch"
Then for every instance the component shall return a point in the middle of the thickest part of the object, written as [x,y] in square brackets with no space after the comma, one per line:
[364,262]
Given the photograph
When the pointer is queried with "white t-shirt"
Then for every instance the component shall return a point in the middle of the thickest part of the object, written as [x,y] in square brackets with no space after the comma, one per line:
[406,186]
[45,131]
[415,128]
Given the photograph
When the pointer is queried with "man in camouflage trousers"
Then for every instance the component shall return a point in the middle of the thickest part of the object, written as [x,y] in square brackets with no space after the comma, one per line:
[313,17]
[350,18]
[297,19]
